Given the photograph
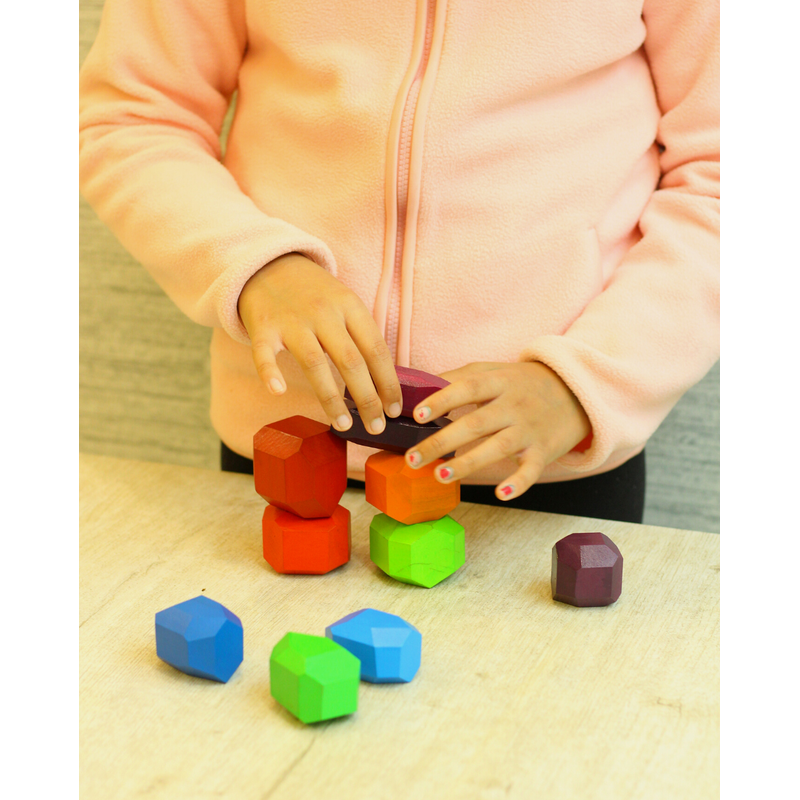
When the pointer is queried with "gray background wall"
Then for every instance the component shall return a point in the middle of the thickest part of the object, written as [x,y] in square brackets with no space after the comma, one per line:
[144,379]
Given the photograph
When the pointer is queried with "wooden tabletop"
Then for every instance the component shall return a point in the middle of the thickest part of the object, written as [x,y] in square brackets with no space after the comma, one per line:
[517,697]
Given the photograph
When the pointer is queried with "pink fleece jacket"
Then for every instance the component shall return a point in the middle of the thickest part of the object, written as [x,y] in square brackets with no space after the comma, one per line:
[531,180]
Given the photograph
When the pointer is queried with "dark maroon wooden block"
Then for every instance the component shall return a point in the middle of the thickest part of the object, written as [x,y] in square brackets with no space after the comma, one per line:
[587,570]
[416,386]
[399,435]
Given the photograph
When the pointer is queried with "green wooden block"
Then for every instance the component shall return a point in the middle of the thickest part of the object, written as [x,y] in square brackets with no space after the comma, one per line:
[423,554]
[313,677]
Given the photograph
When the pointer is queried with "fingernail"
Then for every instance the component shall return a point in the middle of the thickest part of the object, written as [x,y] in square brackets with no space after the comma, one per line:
[414,458]
[507,490]
[445,473]
[395,409]
[275,385]
[343,422]
[377,425]
[423,413]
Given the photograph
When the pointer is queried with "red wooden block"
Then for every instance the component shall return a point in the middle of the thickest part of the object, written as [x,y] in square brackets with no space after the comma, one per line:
[416,385]
[300,466]
[297,546]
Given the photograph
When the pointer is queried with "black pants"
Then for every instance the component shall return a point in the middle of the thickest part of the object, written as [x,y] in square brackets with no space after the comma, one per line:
[617,494]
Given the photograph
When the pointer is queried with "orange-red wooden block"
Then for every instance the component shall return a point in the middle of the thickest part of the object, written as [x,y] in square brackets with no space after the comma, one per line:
[405,494]
[300,466]
[293,545]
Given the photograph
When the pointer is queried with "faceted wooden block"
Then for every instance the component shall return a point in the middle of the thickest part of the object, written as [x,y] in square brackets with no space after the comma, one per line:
[399,435]
[313,677]
[200,637]
[416,385]
[405,494]
[299,466]
[586,570]
[297,546]
[388,647]
[423,554]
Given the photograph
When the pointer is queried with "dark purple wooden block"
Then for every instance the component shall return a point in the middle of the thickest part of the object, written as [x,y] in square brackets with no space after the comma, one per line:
[587,570]
[399,435]
[416,386]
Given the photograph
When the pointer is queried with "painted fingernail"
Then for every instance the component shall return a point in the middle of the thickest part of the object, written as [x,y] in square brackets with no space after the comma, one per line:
[276,385]
[507,490]
[423,413]
[343,422]
[377,425]
[445,473]
[414,458]
[395,409]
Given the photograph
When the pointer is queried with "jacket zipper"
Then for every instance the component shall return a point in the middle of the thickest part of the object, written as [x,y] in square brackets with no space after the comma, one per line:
[393,302]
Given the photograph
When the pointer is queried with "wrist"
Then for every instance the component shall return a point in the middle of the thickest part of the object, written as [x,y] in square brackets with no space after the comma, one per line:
[577,431]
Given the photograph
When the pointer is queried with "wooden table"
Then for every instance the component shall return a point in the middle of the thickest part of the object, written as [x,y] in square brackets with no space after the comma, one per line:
[518,696]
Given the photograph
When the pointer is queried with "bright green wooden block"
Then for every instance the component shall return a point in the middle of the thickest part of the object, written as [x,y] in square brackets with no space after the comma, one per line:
[313,677]
[423,554]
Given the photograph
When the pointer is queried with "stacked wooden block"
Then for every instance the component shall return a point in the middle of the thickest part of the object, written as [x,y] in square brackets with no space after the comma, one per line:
[413,540]
[300,469]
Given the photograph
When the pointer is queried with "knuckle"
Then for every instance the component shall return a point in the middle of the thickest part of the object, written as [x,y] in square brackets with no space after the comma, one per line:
[472,385]
[436,447]
[474,423]
[532,466]
[329,398]
[520,403]
[261,341]
[317,305]
[351,360]
[467,463]
[312,360]
[353,303]
[371,403]
[394,390]
[264,367]
[507,444]
[380,350]
[262,353]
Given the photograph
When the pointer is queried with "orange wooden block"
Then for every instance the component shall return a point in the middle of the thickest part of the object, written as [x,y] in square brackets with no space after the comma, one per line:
[300,466]
[293,545]
[405,494]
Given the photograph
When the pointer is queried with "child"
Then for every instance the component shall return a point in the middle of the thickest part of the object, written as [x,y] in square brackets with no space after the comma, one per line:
[522,198]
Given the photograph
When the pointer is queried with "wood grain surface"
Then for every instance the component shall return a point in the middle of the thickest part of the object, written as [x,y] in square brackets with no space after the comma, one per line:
[518,696]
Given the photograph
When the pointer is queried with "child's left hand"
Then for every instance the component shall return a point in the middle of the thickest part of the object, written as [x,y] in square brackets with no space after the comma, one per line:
[528,412]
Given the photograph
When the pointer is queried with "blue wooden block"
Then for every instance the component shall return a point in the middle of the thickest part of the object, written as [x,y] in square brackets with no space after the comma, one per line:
[388,647]
[200,637]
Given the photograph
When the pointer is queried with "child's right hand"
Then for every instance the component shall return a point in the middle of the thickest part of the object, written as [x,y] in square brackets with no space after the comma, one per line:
[294,304]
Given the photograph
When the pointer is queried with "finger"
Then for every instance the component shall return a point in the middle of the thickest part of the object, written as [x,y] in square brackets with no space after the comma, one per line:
[305,347]
[475,425]
[476,388]
[454,375]
[267,367]
[530,470]
[353,368]
[376,353]
[504,444]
